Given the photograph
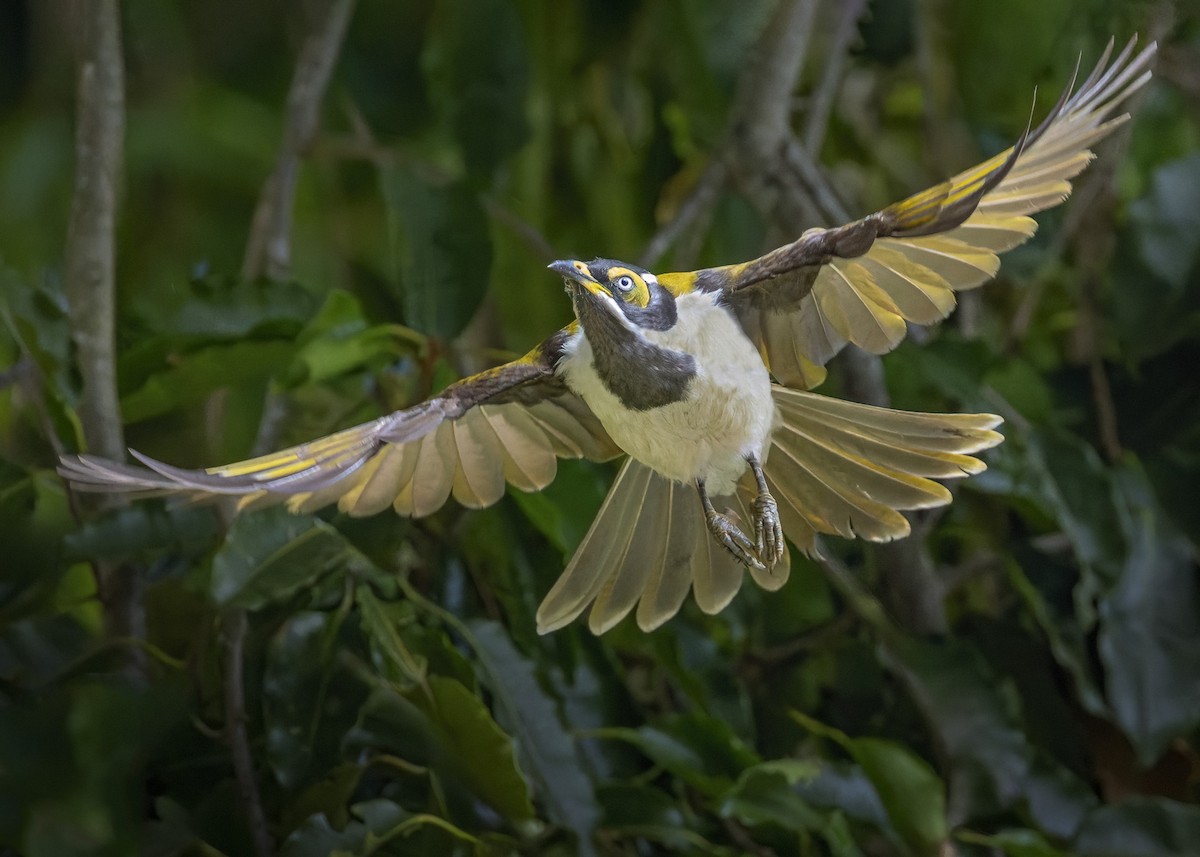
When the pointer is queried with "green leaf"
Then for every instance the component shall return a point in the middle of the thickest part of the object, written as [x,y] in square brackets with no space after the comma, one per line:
[638,810]
[1068,477]
[195,375]
[319,837]
[1139,827]
[308,704]
[328,797]
[1149,638]
[546,749]
[338,340]
[380,620]
[270,555]
[700,750]
[1056,799]
[143,528]
[763,794]
[483,751]
[230,308]
[442,248]
[1167,221]
[910,790]
[988,755]
[1014,843]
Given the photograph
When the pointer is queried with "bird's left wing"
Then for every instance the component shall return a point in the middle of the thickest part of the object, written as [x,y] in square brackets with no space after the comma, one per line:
[508,424]
[863,282]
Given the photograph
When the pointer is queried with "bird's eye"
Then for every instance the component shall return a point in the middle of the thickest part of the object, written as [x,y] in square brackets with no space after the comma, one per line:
[624,284]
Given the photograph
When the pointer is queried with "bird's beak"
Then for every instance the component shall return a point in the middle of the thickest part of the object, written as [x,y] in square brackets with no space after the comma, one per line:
[578,278]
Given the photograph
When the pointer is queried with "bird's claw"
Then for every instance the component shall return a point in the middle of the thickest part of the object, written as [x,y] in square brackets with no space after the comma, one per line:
[734,540]
[768,531]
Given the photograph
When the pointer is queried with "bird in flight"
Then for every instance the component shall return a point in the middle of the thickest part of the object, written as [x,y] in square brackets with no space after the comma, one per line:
[702,380]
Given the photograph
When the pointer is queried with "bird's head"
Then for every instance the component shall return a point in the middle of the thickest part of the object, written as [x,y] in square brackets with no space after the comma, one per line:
[621,291]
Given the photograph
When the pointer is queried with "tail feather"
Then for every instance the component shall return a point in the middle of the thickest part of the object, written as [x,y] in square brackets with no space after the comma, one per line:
[668,585]
[601,550]
[647,546]
[834,467]
[849,469]
[640,560]
[716,575]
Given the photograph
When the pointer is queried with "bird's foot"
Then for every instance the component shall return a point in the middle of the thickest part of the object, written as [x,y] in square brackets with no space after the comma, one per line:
[733,539]
[768,531]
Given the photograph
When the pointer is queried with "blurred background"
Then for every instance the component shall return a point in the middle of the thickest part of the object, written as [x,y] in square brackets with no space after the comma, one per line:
[326,210]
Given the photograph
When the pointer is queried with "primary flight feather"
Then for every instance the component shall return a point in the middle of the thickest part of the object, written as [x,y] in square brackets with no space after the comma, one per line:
[701,379]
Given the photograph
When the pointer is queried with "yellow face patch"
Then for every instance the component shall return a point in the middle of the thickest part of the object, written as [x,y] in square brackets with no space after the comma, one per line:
[628,286]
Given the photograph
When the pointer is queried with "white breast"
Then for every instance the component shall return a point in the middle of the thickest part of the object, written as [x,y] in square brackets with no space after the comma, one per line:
[728,412]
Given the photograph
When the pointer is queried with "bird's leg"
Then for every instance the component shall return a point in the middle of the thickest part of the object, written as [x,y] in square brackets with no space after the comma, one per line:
[768,531]
[726,532]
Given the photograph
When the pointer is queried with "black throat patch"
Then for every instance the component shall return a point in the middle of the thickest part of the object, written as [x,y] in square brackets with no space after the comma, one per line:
[639,373]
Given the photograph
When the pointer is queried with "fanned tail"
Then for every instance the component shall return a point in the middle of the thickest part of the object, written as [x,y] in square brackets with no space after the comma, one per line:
[648,546]
[847,469]
[834,467]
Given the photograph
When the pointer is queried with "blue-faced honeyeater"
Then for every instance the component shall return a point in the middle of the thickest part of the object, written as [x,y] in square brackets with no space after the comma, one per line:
[702,379]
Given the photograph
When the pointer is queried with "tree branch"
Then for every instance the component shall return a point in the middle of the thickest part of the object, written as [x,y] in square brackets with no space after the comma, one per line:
[762,108]
[269,250]
[90,259]
[849,14]
[700,200]
[236,734]
[90,249]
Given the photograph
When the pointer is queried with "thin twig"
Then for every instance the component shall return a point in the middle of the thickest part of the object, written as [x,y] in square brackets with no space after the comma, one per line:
[743,840]
[700,200]
[814,638]
[821,108]
[269,249]
[235,627]
[526,231]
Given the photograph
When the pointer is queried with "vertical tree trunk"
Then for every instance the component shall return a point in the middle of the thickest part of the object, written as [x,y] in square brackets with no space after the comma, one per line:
[91,269]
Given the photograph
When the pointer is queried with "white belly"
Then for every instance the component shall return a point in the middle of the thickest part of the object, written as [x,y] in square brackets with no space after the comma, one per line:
[727,415]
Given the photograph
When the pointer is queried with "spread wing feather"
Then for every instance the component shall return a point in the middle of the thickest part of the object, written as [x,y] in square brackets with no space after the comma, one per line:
[846,291]
[863,282]
[848,469]
[506,425]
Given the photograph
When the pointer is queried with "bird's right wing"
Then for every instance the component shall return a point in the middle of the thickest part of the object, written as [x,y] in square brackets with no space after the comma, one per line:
[507,424]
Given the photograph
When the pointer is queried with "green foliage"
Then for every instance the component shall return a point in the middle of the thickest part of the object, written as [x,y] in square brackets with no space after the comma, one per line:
[397,698]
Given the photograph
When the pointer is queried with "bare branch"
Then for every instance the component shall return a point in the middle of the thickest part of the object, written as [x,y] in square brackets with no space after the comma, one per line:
[526,231]
[91,277]
[269,250]
[700,200]
[762,109]
[817,187]
[236,735]
[90,249]
[849,14]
